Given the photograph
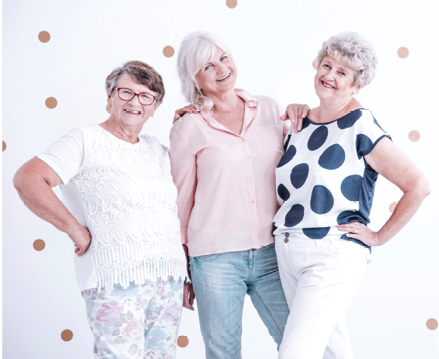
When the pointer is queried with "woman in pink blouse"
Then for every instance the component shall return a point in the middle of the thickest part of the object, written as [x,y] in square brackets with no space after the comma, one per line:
[223,160]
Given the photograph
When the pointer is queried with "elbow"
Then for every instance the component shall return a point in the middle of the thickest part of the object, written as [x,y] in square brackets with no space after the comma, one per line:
[422,188]
[18,181]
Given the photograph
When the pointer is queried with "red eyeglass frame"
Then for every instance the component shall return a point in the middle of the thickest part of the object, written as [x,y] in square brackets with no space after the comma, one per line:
[135,94]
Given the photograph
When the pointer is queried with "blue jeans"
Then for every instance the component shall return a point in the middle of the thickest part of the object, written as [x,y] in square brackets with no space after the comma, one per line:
[220,283]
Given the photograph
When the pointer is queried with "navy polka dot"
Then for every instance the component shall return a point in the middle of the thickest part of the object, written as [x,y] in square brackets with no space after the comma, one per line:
[364,145]
[318,138]
[288,156]
[305,123]
[287,142]
[283,192]
[347,217]
[376,123]
[332,158]
[294,215]
[350,187]
[349,120]
[354,240]
[299,174]
[316,233]
[322,199]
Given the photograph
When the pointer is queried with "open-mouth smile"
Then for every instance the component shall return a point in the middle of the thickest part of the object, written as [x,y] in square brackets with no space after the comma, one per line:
[132,112]
[225,77]
[328,86]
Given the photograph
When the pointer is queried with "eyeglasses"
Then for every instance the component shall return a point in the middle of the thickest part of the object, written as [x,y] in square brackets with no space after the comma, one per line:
[127,95]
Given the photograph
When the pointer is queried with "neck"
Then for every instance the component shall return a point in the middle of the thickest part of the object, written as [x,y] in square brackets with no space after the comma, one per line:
[330,110]
[227,101]
[126,133]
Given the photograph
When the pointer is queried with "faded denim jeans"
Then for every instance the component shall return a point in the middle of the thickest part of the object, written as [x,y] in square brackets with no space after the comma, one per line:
[220,283]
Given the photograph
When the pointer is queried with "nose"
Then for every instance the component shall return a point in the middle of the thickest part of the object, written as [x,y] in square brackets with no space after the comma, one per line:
[135,101]
[220,67]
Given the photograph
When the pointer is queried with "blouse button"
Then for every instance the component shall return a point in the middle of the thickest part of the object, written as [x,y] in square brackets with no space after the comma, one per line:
[286,240]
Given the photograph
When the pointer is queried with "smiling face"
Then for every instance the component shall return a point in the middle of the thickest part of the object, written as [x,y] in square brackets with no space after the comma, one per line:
[218,75]
[130,113]
[334,80]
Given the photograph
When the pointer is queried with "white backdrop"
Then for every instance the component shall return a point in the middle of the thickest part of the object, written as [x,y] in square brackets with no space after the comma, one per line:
[274,43]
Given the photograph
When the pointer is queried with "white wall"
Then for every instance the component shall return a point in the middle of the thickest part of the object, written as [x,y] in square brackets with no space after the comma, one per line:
[274,43]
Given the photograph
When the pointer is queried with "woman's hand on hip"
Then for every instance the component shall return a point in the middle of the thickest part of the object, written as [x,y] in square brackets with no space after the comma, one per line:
[296,113]
[188,296]
[81,238]
[181,111]
[361,232]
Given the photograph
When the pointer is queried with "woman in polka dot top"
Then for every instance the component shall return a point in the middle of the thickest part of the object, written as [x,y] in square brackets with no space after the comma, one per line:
[325,183]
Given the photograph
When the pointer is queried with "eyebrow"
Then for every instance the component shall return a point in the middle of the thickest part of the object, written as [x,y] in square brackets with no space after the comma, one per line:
[342,68]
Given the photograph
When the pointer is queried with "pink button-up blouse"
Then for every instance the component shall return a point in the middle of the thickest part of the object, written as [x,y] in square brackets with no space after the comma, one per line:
[226,182]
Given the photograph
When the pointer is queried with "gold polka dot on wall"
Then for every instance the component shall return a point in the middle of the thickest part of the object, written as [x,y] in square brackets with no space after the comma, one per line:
[44,36]
[414,136]
[231,3]
[51,102]
[403,52]
[168,51]
[66,335]
[182,341]
[39,245]
[392,206]
[432,324]
[314,64]
[3,146]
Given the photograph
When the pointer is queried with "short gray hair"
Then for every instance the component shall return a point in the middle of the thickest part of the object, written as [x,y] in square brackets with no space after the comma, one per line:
[142,73]
[355,52]
[195,51]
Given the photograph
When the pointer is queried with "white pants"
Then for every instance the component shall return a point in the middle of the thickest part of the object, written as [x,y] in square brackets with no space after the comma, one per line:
[320,278]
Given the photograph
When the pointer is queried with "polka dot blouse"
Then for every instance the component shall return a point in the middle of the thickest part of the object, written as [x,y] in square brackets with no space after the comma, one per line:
[323,180]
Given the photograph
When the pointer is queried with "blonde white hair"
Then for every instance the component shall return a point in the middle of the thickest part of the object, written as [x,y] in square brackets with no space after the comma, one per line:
[196,50]
[352,50]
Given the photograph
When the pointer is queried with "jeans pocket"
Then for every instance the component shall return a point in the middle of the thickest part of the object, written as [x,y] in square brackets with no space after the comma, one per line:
[206,258]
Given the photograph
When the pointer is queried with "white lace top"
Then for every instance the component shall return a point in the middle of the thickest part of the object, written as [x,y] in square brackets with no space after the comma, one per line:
[124,194]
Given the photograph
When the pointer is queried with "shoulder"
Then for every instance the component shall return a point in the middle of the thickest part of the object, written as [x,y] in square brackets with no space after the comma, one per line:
[188,123]
[266,100]
[153,142]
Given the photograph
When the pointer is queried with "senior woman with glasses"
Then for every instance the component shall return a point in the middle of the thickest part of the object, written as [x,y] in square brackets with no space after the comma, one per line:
[325,181]
[223,161]
[119,209]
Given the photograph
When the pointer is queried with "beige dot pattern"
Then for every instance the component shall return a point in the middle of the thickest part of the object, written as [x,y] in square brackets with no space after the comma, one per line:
[3,146]
[432,324]
[414,136]
[44,36]
[51,102]
[314,64]
[182,341]
[168,51]
[392,206]
[67,335]
[39,245]
[403,52]
[231,3]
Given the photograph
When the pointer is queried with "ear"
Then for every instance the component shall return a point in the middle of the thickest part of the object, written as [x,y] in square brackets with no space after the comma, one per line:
[357,89]
[109,101]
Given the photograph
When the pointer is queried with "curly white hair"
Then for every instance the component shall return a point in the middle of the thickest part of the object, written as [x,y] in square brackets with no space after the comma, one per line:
[355,52]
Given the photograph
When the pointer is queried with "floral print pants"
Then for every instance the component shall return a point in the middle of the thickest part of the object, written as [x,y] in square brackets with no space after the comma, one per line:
[139,322]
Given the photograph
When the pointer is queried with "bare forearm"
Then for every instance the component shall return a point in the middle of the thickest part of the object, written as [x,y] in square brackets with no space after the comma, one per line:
[403,213]
[39,197]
